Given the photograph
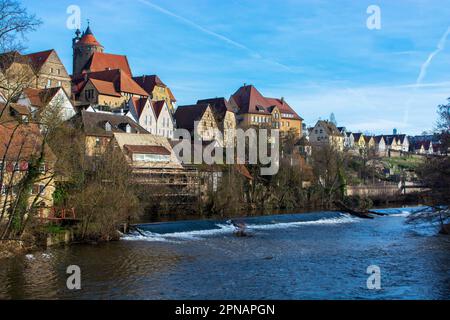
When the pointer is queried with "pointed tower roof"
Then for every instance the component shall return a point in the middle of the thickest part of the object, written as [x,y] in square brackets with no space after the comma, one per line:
[88,38]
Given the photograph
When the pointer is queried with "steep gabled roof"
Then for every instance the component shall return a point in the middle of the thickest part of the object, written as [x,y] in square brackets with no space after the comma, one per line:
[8,58]
[378,139]
[138,104]
[367,139]
[148,83]
[157,107]
[249,100]
[219,107]
[330,128]
[38,59]
[358,136]
[39,98]
[100,61]
[185,116]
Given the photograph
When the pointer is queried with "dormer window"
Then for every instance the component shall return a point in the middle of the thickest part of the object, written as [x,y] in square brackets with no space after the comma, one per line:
[108,127]
[128,128]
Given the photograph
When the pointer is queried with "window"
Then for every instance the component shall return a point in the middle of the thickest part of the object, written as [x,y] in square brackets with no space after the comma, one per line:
[1,165]
[150,157]
[59,84]
[38,189]
[49,83]
[97,142]
[43,168]
[4,190]
[51,70]
[58,71]
[108,127]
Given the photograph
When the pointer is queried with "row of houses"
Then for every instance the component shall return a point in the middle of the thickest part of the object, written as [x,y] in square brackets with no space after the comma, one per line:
[326,132]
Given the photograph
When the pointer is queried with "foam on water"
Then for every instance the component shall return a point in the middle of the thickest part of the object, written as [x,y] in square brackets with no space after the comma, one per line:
[226,228]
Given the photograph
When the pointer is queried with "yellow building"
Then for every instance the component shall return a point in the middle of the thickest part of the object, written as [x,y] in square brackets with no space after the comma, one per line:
[16,74]
[17,159]
[360,141]
[254,110]
[199,120]
[225,118]
[157,90]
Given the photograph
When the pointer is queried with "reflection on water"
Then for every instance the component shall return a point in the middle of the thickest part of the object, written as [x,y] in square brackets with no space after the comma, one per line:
[306,256]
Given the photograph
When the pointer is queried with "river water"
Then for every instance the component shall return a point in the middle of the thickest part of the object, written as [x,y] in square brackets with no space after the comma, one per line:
[305,256]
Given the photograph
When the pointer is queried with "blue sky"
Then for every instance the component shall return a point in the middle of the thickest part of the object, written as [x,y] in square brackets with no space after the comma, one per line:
[318,54]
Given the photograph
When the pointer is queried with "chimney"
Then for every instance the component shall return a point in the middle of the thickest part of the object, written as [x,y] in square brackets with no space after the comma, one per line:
[282,100]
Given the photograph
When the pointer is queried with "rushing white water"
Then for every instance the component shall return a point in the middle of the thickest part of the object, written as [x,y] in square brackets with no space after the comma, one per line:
[226,228]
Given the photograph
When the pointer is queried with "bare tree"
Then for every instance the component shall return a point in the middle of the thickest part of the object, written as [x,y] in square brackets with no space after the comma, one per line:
[435,174]
[15,23]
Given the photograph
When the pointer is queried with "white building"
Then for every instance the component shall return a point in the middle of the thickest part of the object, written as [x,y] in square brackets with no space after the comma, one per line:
[154,116]
[52,99]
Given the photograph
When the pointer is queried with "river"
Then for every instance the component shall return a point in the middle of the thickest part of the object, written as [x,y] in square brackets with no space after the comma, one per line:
[322,255]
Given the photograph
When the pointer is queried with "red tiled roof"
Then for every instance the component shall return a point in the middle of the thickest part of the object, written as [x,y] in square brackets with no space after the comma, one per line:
[26,142]
[40,97]
[249,100]
[105,61]
[158,106]
[89,39]
[147,149]
[39,58]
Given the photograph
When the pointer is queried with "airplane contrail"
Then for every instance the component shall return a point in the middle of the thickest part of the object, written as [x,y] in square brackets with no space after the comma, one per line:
[423,71]
[426,64]
[212,33]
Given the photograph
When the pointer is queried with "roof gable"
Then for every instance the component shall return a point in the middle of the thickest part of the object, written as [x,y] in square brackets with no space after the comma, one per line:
[38,59]
[185,116]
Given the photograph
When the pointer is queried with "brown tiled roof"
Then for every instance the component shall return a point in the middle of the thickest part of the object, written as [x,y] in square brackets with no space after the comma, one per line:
[249,100]
[148,83]
[105,87]
[8,58]
[185,116]
[39,98]
[147,149]
[105,61]
[93,123]
[26,142]
[5,114]
[38,59]
[157,107]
